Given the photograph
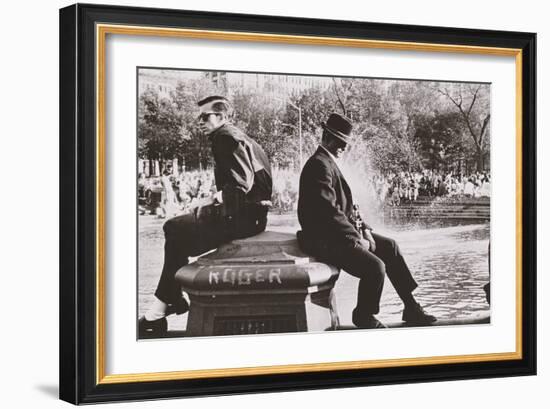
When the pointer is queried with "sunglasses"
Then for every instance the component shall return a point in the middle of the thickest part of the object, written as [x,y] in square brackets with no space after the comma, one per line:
[341,145]
[205,115]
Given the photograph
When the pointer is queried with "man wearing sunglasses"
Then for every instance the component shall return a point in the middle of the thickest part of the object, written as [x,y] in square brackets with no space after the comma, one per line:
[239,209]
[333,231]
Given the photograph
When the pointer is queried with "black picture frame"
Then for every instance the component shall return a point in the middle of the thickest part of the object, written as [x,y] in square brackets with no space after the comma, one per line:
[80,377]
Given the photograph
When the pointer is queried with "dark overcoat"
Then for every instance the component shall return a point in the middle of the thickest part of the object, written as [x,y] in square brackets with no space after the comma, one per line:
[325,204]
[243,174]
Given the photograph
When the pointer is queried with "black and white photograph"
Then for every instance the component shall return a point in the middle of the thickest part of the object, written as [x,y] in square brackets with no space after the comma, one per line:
[257,203]
[280,203]
[275,204]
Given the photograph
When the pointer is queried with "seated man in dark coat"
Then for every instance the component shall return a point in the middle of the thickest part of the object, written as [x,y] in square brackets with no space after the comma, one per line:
[333,231]
[239,209]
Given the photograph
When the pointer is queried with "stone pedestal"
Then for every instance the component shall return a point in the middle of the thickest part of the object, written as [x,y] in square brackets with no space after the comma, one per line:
[262,284]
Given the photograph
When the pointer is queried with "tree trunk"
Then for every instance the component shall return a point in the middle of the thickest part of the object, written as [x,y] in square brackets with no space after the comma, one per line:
[479,160]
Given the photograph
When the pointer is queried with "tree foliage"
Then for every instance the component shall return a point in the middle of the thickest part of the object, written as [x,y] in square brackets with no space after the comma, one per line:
[398,125]
[472,102]
[160,127]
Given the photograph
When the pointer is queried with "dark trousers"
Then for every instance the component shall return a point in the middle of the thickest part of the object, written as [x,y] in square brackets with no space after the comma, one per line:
[188,236]
[371,269]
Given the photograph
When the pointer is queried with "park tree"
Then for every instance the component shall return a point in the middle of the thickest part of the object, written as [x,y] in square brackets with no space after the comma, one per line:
[441,138]
[398,125]
[167,124]
[471,101]
[360,99]
[195,151]
[344,90]
[315,104]
[260,117]
[382,123]
[160,127]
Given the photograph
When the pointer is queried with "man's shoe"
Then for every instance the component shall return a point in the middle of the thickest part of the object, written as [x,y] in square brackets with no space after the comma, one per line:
[416,315]
[152,329]
[366,322]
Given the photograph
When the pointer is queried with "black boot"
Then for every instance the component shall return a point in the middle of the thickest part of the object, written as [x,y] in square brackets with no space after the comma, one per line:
[152,329]
[366,321]
[414,314]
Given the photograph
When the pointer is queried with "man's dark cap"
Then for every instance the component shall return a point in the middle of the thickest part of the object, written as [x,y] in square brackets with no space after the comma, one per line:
[213,98]
[339,126]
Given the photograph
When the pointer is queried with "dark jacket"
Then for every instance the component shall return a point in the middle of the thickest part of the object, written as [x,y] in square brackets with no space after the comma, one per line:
[243,174]
[325,204]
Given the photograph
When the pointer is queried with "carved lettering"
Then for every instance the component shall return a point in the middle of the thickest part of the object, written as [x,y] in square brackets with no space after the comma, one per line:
[229,276]
[275,275]
[259,277]
[244,277]
[214,277]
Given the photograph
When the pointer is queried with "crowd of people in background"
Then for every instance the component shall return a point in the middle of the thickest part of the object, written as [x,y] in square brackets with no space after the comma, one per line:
[406,187]
[180,193]
[173,194]
[285,190]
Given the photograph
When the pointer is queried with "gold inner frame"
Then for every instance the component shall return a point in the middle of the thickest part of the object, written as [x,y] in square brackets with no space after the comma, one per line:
[101,33]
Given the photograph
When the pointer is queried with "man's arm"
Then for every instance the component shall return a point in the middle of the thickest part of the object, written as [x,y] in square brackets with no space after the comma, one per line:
[236,166]
[235,162]
[240,169]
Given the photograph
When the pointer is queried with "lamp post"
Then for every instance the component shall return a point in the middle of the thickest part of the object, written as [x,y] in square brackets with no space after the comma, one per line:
[299,130]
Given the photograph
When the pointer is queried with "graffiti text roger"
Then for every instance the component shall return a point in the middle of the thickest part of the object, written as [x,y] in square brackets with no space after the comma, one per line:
[245,276]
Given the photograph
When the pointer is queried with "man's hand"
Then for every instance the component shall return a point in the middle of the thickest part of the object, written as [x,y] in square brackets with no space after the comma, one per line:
[218,198]
[368,237]
[200,204]
[366,244]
